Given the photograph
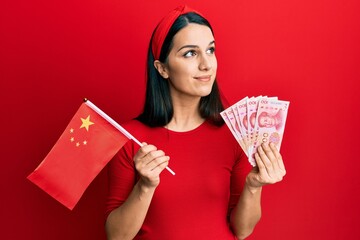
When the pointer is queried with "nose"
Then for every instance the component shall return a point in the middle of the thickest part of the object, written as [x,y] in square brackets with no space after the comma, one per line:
[205,63]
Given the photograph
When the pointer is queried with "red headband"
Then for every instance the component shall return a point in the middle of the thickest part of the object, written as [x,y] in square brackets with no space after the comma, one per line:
[164,26]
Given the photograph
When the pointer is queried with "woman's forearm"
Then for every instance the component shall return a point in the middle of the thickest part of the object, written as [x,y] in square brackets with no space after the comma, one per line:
[247,212]
[125,221]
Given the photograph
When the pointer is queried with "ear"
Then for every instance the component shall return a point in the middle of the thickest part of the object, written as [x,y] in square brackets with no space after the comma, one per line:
[161,68]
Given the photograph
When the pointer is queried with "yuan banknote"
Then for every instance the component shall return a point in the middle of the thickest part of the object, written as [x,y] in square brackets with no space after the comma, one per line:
[252,106]
[269,124]
[243,122]
[229,118]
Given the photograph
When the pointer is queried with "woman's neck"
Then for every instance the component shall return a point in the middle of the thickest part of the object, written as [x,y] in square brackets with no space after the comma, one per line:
[186,116]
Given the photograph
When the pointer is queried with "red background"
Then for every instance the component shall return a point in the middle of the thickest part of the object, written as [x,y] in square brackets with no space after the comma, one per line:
[54,53]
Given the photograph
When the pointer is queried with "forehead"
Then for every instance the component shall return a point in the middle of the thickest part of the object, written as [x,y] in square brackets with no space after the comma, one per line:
[193,34]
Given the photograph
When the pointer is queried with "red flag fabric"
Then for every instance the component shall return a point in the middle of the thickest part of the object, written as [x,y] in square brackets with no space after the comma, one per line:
[82,151]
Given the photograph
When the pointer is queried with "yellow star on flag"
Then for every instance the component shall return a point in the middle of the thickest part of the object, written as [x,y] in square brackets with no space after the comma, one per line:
[86,123]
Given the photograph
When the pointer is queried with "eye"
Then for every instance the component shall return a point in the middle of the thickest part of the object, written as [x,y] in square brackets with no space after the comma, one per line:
[190,53]
[211,50]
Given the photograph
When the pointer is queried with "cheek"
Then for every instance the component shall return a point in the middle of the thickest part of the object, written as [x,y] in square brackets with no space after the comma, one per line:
[179,71]
[214,64]
[214,68]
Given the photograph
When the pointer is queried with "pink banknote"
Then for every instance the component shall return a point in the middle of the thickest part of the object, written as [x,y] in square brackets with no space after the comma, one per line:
[230,120]
[243,121]
[252,105]
[236,124]
[255,120]
[269,124]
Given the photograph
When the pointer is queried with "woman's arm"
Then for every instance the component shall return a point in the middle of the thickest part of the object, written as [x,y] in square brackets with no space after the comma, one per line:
[270,169]
[247,212]
[125,221]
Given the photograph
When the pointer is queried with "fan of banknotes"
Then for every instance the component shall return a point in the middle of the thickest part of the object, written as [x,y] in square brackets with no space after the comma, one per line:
[256,120]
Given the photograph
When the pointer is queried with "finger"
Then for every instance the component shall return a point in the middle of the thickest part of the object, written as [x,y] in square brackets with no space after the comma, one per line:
[263,173]
[269,153]
[277,173]
[152,164]
[278,156]
[274,171]
[141,158]
[153,157]
[161,164]
[266,161]
[153,171]
[144,150]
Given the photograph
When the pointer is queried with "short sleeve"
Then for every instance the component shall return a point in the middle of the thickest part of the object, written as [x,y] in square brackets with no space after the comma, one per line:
[122,177]
[239,172]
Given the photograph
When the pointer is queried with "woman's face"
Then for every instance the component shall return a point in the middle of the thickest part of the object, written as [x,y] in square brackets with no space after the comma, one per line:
[191,65]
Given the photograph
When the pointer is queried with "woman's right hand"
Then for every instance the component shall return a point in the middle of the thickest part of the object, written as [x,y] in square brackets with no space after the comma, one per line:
[150,162]
[126,221]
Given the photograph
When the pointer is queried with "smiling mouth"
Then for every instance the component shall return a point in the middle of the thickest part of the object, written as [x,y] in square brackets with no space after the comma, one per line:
[203,78]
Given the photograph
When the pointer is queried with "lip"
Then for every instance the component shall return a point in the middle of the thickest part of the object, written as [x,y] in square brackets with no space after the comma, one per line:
[204,78]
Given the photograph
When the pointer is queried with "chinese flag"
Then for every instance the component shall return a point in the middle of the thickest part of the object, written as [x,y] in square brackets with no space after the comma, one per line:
[85,147]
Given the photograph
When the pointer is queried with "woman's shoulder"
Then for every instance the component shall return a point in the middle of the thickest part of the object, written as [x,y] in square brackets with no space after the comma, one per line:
[139,130]
[219,129]
[133,124]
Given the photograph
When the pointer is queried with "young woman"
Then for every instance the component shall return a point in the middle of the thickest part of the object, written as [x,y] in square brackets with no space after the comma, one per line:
[215,194]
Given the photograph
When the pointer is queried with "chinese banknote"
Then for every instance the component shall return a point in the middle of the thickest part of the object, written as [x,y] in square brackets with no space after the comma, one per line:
[256,120]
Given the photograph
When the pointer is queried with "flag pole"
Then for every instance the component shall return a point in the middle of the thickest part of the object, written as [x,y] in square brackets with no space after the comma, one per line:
[117,126]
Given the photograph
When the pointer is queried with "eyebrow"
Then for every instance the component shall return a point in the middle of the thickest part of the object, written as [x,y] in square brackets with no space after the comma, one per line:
[194,46]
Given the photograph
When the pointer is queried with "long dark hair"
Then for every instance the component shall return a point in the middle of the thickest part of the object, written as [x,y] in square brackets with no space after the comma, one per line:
[158,108]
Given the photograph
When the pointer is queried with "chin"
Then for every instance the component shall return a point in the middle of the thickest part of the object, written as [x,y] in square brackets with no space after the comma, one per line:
[205,93]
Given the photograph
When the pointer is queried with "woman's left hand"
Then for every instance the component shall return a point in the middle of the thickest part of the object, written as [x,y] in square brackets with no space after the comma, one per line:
[270,167]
